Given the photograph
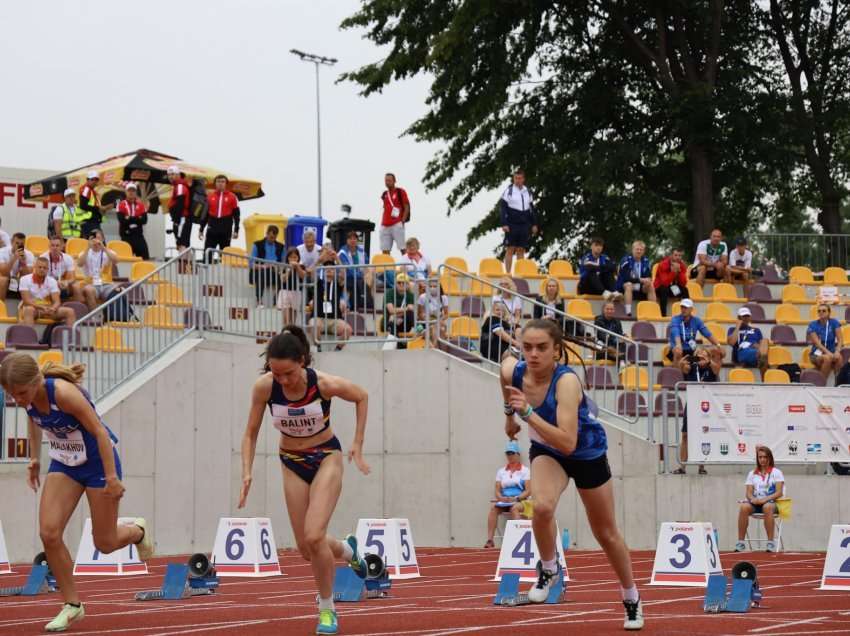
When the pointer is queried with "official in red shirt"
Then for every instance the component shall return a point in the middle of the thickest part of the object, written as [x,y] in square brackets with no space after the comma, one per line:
[222,216]
[671,279]
[396,214]
[132,216]
[178,207]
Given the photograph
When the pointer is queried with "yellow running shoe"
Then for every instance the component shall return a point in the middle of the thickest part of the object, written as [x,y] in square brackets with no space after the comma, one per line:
[327,622]
[145,546]
[67,617]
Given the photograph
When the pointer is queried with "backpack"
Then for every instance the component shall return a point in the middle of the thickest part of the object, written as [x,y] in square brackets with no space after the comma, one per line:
[51,232]
[843,376]
[793,370]
[120,310]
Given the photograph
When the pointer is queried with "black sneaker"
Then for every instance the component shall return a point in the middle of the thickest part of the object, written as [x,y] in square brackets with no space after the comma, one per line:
[634,615]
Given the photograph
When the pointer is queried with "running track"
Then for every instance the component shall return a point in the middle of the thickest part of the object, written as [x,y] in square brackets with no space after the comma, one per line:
[454,596]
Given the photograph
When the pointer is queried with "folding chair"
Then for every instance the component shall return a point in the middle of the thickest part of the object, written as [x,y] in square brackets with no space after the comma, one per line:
[783,512]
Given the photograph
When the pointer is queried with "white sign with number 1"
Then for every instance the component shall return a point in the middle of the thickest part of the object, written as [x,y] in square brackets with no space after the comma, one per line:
[90,561]
[836,568]
[391,539]
[686,555]
[245,547]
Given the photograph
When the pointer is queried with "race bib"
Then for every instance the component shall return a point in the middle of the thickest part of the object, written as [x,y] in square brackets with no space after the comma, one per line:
[97,281]
[816,352]
[328,307]
[14,284]
[67,448]
[300,421]
[396,212]
[745,345]
[674,289]
[692,344]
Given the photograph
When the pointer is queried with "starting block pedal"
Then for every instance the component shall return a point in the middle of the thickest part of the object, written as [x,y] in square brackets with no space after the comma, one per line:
[745,592]
[195,578]
[39,581]
[350,588]
[508,594]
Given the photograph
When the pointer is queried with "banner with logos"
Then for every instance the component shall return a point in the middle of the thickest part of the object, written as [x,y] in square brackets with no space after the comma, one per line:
[800,424]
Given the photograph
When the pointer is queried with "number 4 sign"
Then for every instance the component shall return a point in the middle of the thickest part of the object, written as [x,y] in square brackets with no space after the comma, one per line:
[836,568]
[392,540]
[686,555]
[519,553]
[91,561]
[245,547]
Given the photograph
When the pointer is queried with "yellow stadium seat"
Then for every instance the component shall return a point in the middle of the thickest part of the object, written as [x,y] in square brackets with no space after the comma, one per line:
[124,251]
[718,331]
[490,267]
[562,293]
[634,377]
[480,288]
[49,356]
[381,259]
[845,335]
[419,343]
[109,339]
[787,314]
[727,292]
[655,269]
[37,244]
[234,257]
[664,360]
[580,308]
[777,355]
[805,360]
[802,275]
[5,318]
[159,317]
[171,295]
[74,246]
[526,268]
[719,313]
[677,309]
[650,311]
[695,291]
[562,269]
[465,327]
[741,376]
[458,263]
[776,376]
[450,285]
[794,293]
[835,276]
[142,269]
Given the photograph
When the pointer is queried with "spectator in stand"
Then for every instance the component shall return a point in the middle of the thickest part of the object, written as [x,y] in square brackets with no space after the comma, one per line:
[289,297]
[825,336]
[415,264]
[749,347]
[132,218]
[222,217]
[5,239]
[519,221]
[596,273]
[765,485]
[433,311]
[353,255]
[509,298]
[399,306]
[608,346]
[741,265]
[396,214]
[497,334]
[94,261]
[634,279]
[551,306]
[178,208]
[712,259]
[309,252]
[683,333]
[266,275]
[15,261]
[40,297]
[513,487]
[90,204]
[66,220]
[60,267]
[702,366]
[329,311]
[671,279]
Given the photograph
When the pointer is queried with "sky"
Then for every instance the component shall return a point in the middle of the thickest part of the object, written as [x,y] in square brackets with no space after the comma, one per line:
[213,82]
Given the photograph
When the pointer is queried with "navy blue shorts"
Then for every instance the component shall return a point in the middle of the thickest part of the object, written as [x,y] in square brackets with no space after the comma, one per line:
[88,475]
[305,463]
[518,236]
[749,357]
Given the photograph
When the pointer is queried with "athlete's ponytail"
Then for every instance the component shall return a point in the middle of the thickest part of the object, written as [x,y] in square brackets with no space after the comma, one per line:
[21,369]
[73,374]
[290,344]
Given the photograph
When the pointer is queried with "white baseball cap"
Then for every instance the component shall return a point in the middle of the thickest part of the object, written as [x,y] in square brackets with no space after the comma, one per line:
[687,302]
[131,186]
[744,311]
[68,192]
[92,174]
[173,170]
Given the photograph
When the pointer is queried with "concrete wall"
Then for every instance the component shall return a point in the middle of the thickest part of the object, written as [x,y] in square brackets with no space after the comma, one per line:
[434,440]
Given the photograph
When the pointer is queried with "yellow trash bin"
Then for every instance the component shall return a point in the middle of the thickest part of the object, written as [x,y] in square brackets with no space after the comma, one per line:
[256,225]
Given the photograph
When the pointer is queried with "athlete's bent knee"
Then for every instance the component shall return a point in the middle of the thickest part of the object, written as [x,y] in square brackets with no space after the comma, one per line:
[105,545]
[314,540]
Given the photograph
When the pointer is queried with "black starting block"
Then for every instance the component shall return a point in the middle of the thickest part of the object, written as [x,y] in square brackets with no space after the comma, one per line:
[745,592]
[39,581]
[350,588]
[195,578]
[508,594]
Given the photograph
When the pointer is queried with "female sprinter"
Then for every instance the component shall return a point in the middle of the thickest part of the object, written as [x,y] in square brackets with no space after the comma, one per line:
[566,441]
[299,399]
[83,459]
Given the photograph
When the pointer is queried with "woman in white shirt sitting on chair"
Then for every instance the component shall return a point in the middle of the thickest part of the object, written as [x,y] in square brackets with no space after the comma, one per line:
[765,484]
[513,487]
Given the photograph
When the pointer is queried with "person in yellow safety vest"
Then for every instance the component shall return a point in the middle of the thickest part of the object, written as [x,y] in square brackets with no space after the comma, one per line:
[90,204]
[66,219]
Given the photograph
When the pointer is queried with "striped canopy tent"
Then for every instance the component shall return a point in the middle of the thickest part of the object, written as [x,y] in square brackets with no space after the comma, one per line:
[147,168]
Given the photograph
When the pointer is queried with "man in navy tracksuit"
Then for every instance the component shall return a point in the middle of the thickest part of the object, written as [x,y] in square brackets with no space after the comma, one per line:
[519,221]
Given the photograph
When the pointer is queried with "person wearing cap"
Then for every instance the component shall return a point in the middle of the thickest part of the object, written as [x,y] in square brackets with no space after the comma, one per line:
[399,306]
[66,220]
[683,332]
[671,279]
[132,217]
[513,487]
[178,207]
[749,347]
[90,205]
[741,265]
[712,259]
[222,217]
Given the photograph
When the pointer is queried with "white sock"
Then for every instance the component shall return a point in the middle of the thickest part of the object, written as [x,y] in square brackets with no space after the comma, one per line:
[551,566]
[326,603]
[628,309]
[630,594]
[347,552]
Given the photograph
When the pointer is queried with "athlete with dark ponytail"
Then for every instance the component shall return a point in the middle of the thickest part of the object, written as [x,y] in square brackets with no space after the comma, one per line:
[299,400]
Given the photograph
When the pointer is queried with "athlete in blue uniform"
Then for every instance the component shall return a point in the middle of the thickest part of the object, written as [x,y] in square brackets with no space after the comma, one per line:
[566,441]
[299,401]
[83,459]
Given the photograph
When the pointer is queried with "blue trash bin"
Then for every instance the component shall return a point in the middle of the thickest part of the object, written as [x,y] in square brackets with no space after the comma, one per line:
[296,226]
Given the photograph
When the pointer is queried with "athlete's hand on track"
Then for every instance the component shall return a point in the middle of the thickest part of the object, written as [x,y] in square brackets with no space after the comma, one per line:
[243,494]
[114,488]
[511,427]
[33,478]
[356,454]
[516,399]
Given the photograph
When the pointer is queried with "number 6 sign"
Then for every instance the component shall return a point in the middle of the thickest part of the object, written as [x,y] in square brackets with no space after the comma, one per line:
[686,555]
[245,547]
[391,539]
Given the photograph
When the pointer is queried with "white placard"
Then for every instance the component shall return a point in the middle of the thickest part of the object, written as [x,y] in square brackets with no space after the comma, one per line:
[836,568]
[391,539]
[245,547]
[5,566]
[798,423]
[91,562]
[686,555]
[519,553]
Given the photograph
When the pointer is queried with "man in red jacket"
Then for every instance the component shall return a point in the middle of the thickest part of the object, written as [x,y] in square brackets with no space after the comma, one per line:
[178,208]
[671,279]
[222,217]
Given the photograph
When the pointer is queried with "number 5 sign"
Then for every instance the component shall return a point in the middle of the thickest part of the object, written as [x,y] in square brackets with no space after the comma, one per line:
[519,553]
[391,539]
[836,569]
[245,547]
[686,555]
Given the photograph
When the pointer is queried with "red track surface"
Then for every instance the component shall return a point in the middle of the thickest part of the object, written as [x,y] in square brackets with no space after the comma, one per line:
[454,596]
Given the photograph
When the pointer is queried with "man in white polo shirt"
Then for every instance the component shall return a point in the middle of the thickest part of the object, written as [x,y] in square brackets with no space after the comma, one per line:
[741,265]
[712,259]
[309,252]
[61,268]
[15,261]
[40,297]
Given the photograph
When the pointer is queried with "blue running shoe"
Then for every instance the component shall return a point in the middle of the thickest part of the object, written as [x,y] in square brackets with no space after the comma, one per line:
[327,622]
[357,563]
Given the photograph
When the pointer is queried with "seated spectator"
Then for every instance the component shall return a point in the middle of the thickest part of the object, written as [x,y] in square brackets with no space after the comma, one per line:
[289,297]
[309,252]
[712,259]
[132,218]
[513,486]
[399,306]
[825,336]
[551,305]
[266,275]
[609,347]
[497,334]
[671,279]
[634,279]
[15,262]
[416,264]
[40,297]
[741,265]
[329,310]
[765,484]
[596,273]
[61,268]
[507,296]
[433,310]
[701,366]
[683,332]
[94,261]
[353,255]
[749,347]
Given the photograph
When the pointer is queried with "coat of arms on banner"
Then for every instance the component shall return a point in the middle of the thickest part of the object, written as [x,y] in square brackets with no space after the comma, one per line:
[742,448]
[704,406]
[706,448]
[724,449]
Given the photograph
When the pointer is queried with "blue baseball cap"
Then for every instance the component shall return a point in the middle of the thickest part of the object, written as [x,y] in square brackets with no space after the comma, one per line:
[512,447]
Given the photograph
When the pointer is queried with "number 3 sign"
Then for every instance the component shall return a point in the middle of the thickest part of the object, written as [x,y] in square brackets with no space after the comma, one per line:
[245,547]
[686,555]
[392,540]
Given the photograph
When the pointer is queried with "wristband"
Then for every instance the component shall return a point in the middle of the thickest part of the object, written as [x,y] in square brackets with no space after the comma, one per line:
[527,413]
[509,410]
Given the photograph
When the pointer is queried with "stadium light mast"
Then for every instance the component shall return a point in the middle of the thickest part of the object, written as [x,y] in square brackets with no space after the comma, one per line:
[317,60]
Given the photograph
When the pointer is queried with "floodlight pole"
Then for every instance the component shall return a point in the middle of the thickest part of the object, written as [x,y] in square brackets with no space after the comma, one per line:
[317,60]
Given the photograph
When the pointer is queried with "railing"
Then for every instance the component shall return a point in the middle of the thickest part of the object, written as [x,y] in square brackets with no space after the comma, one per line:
[817,251]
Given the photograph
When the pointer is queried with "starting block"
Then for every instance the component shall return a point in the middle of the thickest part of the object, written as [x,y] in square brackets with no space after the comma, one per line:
[195,578]
[350,588]
[39,581]
[508,594]
[745,592]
